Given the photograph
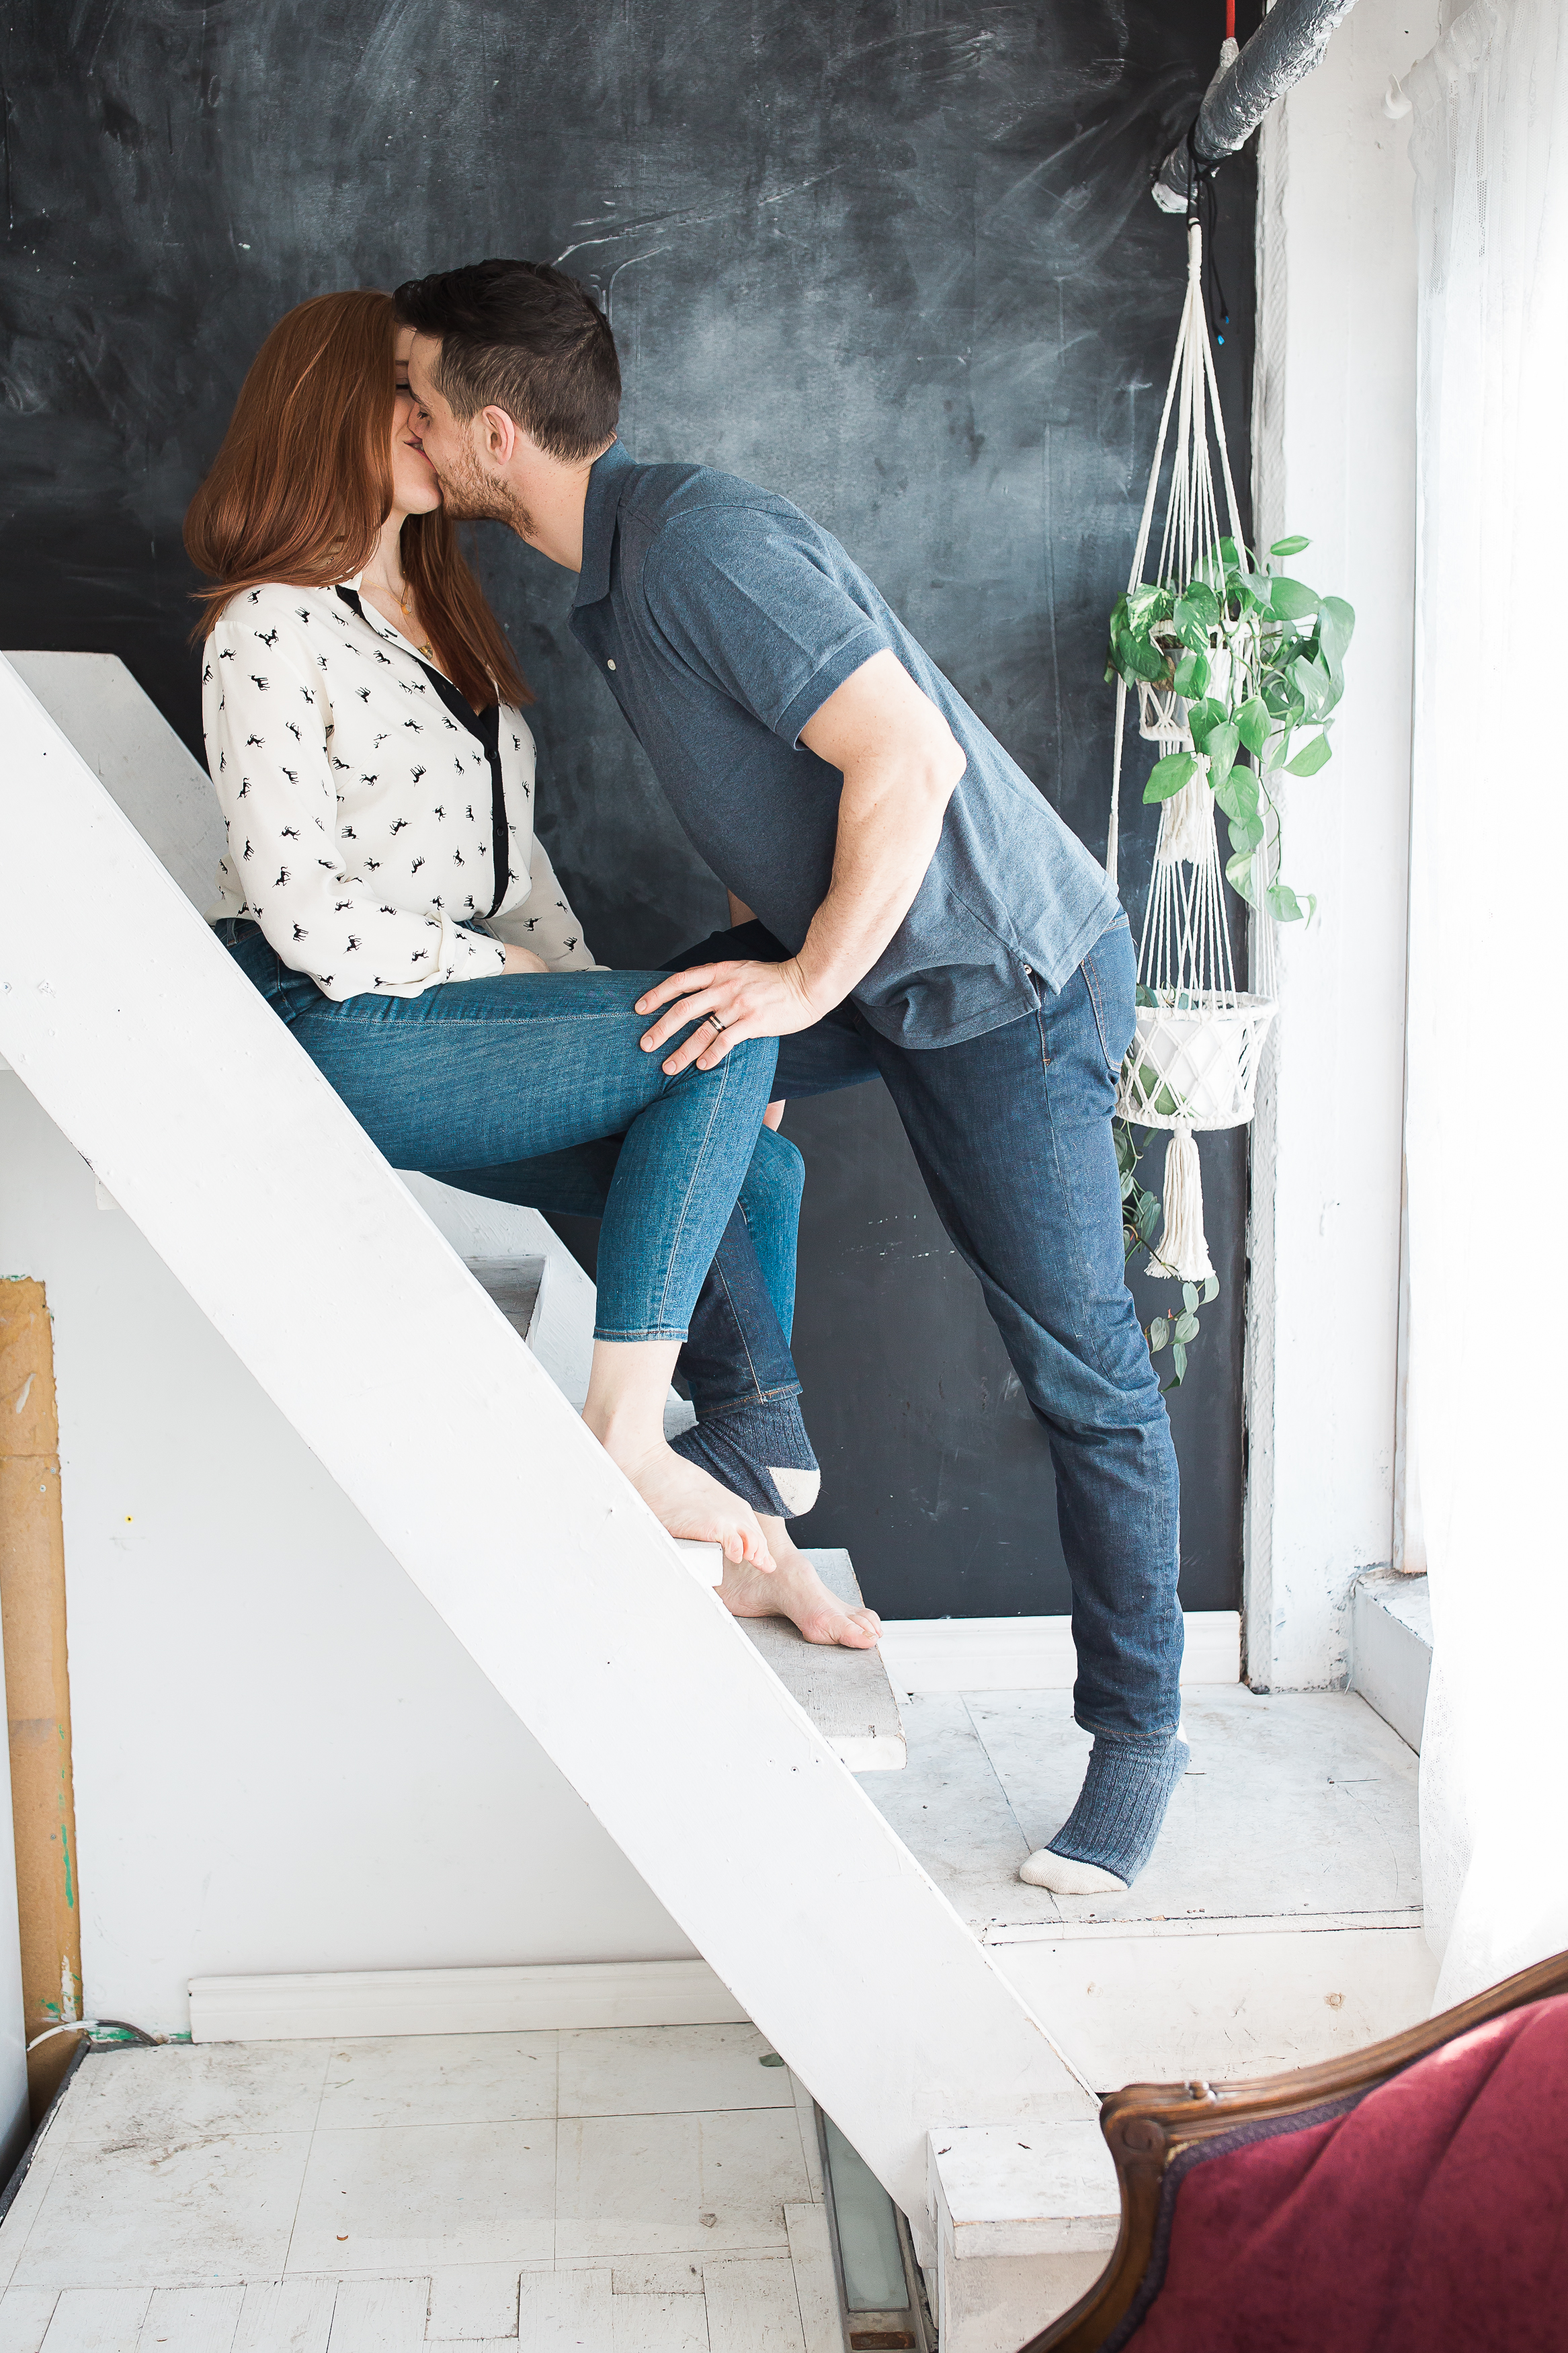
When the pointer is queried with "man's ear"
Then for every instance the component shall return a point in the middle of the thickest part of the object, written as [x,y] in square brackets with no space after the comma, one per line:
[499,436]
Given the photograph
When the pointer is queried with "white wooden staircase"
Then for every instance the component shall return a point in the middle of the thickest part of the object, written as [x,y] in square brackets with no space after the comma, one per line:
[953,2023]
[333,1284]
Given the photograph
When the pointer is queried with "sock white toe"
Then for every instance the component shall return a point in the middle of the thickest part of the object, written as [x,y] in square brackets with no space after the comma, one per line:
[799,1489]
[1063,1876]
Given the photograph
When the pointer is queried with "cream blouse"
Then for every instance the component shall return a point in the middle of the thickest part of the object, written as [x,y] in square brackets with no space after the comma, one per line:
[356,786]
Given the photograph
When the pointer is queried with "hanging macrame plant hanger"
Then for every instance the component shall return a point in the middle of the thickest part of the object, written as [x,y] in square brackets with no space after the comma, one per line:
[1193,1065]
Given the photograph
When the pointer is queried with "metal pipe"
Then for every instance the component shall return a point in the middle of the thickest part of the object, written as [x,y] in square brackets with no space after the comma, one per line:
[1284,49]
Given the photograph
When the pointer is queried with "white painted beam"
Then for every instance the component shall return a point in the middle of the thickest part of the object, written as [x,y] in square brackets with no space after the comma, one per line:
[219,1138]
[1334,458]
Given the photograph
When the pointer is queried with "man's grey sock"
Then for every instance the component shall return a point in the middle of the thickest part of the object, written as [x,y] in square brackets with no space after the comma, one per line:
[760,1451]
[1122,1803]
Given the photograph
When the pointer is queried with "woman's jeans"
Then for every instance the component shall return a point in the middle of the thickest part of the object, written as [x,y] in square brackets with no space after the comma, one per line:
[483,1073]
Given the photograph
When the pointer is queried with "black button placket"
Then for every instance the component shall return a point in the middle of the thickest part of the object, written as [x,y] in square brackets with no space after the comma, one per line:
[485,727]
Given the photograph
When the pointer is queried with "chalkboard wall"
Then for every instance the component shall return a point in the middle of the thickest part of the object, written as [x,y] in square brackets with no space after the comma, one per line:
[896,261]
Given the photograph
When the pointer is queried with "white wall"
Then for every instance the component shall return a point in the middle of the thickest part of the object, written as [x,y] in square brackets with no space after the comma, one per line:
[1334,458]
[284,1757]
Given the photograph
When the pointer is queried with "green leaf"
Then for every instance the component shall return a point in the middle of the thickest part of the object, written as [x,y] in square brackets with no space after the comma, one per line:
[1315,685]
[1210,1289]
[1336,627]
[1199,602]
[1168,775]
[1179,1362]
[1233,557]
[1144,660]
[1148,1217]
[1159,1333]
[1245,837]
[1224,744]
[1192,676]
[1203,718]
[1256,725]
[1292,599]
[1284,547]
[1310,759]
[1238,794]
[1284,905]
[1238,874]
[1189,1294]
[1187,1327]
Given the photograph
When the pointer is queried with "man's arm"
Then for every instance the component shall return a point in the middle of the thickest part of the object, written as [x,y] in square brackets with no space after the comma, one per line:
[900,764]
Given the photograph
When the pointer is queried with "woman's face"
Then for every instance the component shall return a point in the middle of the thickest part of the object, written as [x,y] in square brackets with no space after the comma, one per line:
[414,490]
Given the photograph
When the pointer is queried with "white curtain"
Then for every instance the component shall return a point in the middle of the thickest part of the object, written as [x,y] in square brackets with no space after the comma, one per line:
[1486,1084]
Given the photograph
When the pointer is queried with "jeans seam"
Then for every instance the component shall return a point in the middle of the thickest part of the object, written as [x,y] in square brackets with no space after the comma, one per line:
[1097,1008]
[697,1160]
[715,1412]
[1081,1286]
[740,1326]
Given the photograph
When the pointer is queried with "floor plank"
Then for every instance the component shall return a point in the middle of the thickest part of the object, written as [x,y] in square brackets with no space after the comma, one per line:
[286,2315]
[659,2323]
[191,2320]
[379,2315]
[24,2315]
[752,2306]
[811,2254]
[565,2312]
[98,2320]
[473,2300]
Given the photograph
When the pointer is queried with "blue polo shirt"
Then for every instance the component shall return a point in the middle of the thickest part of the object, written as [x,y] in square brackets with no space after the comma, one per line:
[721,618]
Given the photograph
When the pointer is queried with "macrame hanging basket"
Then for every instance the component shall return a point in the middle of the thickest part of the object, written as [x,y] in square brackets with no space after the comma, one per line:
[1193,1064]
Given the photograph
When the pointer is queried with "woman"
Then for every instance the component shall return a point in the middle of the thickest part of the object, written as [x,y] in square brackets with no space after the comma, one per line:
[384,889]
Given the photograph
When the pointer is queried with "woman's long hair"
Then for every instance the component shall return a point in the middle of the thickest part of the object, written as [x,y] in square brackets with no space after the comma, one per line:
[302,484]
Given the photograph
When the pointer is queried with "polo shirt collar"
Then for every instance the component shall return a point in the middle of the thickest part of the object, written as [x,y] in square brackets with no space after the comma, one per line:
[601,508]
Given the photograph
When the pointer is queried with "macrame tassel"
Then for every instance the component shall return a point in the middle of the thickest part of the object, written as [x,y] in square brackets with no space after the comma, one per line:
[1182,1251]
[1186,826]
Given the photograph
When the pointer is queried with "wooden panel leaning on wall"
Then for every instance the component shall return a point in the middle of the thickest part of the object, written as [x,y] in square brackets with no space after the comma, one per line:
[37,1689]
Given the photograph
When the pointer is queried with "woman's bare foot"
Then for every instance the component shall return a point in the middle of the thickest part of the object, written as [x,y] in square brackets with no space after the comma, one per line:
[692,1504]
[796,1591]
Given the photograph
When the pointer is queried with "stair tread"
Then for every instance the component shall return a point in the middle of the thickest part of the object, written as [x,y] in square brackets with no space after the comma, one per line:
[846,1693]
[1025,2189]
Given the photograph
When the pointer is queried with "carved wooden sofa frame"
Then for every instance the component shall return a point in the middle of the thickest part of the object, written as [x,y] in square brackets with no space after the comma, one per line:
[1148,2125]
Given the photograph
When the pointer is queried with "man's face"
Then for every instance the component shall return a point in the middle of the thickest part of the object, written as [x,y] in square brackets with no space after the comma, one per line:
[474,487]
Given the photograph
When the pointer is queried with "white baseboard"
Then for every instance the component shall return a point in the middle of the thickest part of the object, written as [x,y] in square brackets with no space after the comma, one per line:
[955,1654]
[336,2005]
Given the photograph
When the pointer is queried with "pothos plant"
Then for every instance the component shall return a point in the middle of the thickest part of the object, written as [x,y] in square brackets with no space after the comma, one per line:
[1245,659]
[1256,658]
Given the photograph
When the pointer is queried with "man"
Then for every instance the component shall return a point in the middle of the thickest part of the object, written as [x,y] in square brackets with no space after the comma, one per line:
[920,912]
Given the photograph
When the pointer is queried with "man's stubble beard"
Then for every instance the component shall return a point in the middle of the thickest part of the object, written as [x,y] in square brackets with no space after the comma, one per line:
[470,495]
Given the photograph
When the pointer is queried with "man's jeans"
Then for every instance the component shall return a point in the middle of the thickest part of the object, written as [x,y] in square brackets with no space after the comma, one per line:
[1012,1133]
[481,1074]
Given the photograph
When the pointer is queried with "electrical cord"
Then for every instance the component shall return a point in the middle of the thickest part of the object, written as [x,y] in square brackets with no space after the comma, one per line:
[1203,207]
[97,2026]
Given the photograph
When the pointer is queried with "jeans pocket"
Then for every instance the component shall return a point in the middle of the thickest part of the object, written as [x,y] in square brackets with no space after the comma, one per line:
[1110,975]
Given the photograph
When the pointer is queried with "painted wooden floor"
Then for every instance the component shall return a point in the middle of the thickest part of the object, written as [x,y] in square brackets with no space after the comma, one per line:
[626,2190]
[1295,1805]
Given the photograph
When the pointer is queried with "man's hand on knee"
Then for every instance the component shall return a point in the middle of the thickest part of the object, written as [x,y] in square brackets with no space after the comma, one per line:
[728,1002]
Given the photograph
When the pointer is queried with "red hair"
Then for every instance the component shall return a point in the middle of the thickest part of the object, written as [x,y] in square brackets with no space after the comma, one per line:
[302,484]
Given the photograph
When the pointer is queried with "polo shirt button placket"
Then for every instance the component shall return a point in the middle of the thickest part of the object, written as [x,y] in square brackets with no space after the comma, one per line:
[609,665]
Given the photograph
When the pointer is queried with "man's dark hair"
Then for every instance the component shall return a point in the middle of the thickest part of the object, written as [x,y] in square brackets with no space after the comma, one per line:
[520,336]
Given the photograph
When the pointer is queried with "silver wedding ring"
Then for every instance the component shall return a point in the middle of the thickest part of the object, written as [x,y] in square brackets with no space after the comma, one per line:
[717,1023]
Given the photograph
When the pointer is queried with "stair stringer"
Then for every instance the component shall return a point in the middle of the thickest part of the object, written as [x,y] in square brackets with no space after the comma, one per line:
[219,1138]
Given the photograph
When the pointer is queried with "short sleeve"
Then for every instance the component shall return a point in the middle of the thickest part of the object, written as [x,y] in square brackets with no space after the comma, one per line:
[748,597]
